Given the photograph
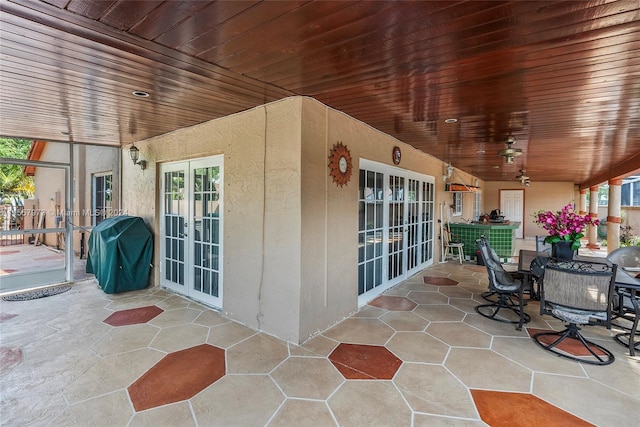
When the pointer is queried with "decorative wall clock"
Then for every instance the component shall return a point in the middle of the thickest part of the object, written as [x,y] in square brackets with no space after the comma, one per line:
[340,164]
[396,155]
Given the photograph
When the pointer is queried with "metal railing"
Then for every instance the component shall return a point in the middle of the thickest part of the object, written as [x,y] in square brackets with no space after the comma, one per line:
[11,220]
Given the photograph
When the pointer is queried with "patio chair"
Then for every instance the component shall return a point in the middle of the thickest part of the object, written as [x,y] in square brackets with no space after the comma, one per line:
[451,243]
[505,286]
[578,293]
[489,295]
[626,301]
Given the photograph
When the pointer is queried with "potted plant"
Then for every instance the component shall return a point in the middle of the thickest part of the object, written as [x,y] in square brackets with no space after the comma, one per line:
[565,228]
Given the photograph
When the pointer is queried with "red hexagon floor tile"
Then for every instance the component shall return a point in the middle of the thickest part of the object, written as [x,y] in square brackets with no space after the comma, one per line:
[570,346]
[365,362]
[178,376]
[6,316]
[439,281]
[498,408]
[393,303]
[133,316]
[10,357]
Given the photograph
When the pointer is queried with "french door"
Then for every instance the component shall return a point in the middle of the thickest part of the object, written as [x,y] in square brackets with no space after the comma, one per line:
[191,227]
[395,232]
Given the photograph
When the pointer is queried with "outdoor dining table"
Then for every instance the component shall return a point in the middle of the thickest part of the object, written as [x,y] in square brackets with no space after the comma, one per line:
[625,283]
[629,286]
[525,258]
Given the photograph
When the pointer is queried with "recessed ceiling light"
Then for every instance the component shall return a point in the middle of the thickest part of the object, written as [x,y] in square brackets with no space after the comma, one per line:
[480,151]
[496,167]
[140,93]
[450,120]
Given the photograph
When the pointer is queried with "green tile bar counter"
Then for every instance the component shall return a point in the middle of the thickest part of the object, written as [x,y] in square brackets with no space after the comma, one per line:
[500,237]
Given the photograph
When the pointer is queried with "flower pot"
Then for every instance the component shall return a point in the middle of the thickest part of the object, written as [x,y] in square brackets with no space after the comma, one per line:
[562,250]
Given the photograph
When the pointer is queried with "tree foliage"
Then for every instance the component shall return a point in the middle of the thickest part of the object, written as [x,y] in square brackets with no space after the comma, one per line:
[13,182]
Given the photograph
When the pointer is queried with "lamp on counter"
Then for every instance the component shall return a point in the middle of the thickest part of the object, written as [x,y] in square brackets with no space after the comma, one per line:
[134,153]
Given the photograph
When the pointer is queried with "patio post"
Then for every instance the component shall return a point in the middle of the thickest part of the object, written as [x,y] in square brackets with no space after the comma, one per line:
[614,217]
[582,210]
[593,212]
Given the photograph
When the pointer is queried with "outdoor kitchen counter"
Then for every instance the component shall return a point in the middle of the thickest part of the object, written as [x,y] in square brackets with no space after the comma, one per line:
[500,236]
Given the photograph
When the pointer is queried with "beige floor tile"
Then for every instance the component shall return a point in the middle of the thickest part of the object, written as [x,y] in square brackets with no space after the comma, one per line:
[459,334]
[597,403]
[360,331]
[369,311]
[124,339]
[237,400]
[180,316]
[455,292]
[369,403]
[624,377]
[318,346]
[228,334]
[397,292]
[526,352]
[177,414]
[111,373]
[22,405]
[422,420]
[260,353]
[210,318]
[174,302]
[307,377]
[303,413]
[472,365]
[428,297]
[417,347]
[110,410]
[432,389]
[493,327]
[404,321]
[180,337]
[464,304]
[419,286]
[439,313]
[126,303]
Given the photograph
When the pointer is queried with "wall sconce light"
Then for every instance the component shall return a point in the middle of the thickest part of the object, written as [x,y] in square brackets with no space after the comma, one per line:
[448,171]
[134,153]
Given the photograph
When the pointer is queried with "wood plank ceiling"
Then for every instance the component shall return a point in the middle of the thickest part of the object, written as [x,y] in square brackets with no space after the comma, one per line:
[562,78]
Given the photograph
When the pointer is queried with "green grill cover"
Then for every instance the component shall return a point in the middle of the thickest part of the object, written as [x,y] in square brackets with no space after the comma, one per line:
[119,254]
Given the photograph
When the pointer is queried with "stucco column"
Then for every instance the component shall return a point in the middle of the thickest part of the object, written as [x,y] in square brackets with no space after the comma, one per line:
[583,202]
[593,212]
[614,215]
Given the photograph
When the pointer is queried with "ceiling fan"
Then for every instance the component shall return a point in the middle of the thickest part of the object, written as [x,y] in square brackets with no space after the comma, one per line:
[510,153]
[523,178]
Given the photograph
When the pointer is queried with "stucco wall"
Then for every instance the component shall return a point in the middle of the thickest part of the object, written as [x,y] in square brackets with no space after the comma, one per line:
[539,196]
[290,234]
[329,253]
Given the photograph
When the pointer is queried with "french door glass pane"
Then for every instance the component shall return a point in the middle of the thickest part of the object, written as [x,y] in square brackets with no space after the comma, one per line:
[206,241]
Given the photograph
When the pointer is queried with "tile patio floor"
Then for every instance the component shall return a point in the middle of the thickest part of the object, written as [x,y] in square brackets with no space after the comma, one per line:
[418,356]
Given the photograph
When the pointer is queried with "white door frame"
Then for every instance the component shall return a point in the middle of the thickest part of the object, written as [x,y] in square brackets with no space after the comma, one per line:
[403,227]
[507,204]
[197,256]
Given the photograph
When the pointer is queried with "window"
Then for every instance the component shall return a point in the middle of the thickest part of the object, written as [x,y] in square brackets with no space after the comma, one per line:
[102,197]
[457,204]
[477,205]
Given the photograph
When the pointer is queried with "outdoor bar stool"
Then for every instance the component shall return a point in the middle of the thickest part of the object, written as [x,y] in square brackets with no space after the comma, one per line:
[451,244]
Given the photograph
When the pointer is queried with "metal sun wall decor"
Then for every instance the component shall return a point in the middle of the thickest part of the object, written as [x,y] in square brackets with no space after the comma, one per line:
[340,164]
